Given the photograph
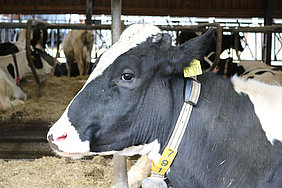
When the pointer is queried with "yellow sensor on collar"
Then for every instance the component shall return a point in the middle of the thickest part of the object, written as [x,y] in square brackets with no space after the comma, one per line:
[165,161]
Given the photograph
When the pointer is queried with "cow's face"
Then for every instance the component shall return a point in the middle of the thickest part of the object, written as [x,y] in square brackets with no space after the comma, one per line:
[121,107]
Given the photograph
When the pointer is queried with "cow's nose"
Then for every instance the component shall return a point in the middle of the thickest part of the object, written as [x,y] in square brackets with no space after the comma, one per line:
[58,139]
[62,137]
[54,141]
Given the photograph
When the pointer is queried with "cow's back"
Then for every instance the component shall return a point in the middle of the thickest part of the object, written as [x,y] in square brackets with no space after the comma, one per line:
[262,72]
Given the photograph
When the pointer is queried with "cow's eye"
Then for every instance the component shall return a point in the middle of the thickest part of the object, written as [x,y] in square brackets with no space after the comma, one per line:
[127,76]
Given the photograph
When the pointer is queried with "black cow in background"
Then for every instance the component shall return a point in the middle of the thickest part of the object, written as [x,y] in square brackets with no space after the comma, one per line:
[39,36]
[228,42]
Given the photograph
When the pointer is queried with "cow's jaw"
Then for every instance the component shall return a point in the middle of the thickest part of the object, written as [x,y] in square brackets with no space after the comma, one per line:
[64,140]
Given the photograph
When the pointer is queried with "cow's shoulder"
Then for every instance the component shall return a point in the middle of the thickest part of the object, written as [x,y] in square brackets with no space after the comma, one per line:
[267,100]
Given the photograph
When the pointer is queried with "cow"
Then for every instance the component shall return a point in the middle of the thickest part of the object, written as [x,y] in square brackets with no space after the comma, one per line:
[132,99]
[252,69]
[38,41]
[77,46]
[10,94]
[7,62]
[228,42]
[224,66]
[260,71]
[38,34]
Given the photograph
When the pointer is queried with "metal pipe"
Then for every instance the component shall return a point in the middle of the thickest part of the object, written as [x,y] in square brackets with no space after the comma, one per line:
[28,52]
[218,47]
[266,29]
[120,167]
[88,12]
[268,36]
[116,20]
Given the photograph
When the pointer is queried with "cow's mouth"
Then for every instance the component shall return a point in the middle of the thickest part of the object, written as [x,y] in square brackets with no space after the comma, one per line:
[73,155]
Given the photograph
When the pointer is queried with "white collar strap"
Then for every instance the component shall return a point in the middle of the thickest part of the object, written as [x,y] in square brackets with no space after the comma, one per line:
[192,93]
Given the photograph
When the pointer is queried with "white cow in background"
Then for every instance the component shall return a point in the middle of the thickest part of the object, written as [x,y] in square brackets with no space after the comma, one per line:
[77,47]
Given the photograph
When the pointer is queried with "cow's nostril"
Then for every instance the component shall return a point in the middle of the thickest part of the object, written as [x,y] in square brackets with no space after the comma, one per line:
[61,138]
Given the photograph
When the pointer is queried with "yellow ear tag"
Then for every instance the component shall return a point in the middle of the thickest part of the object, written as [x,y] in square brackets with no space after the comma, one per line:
[194,69]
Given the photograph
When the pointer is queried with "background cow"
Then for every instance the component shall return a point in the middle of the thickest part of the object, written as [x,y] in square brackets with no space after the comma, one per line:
[133,98]
[228,42]
[257,70]
[38,36]
[260,71]
[7,63]
[77,46]
[247,69]
[10,94]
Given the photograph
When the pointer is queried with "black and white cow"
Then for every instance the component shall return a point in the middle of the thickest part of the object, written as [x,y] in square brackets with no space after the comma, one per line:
[132,100]
[252,69]
[260,71]
[7,63]
[228,42]
[38,36]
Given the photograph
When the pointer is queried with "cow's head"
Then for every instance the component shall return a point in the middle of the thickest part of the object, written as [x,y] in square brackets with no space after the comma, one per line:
[127,97]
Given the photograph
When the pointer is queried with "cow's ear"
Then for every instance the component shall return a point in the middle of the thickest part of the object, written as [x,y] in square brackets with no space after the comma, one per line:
[182,56]
[163,39]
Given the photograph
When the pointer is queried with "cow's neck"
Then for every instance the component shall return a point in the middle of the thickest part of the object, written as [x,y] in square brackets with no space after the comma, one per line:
[165,128]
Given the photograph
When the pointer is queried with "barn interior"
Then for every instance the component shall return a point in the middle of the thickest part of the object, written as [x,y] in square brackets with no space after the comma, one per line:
[23,128]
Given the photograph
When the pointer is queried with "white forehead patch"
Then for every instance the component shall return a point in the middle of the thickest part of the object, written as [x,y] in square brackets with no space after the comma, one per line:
[133,35]
[267,100]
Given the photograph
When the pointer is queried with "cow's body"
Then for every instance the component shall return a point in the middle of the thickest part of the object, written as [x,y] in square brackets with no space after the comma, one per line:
[77,47]
[136,95]
[251,69]
[10,94]
[260,71]
[7,63]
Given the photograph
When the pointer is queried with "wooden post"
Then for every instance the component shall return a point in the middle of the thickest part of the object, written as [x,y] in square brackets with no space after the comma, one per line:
[268,36]
[88,12]
[120,167]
